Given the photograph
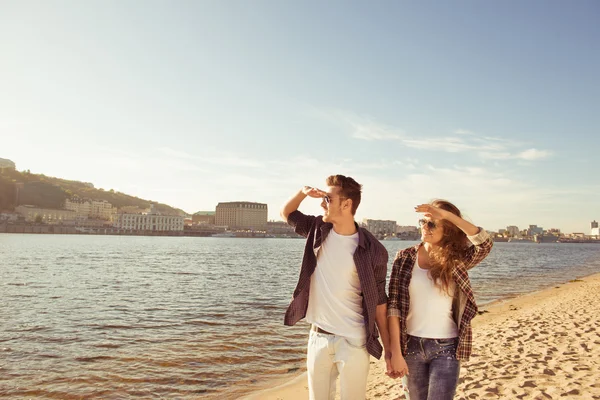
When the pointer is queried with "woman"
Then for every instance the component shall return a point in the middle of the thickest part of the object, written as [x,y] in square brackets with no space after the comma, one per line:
[431,302]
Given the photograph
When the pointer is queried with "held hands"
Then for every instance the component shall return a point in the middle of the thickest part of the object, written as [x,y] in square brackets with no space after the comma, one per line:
[313,192]
[396,365]
[432,212]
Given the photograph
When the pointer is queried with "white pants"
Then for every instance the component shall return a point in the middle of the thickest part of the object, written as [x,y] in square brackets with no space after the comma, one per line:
[329,356]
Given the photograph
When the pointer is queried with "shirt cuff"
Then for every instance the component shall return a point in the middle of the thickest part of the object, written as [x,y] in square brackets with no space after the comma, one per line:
[480,237]
[393,312]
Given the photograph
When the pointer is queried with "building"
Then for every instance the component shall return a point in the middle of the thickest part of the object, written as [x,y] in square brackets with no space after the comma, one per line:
[406,229]
[95,209]
[595,230]
[242,215]
[408,232]
[102,209]
[46,215]
[380,227]
[280,228]
[534,230]
[203,218]
[512,230]
[149,221]
[9,217]
[82,207]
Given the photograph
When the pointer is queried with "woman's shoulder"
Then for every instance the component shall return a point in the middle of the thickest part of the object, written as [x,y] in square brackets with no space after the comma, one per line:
[406,253]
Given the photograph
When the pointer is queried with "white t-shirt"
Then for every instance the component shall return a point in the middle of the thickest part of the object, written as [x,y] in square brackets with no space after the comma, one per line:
[335,301]
[430,309]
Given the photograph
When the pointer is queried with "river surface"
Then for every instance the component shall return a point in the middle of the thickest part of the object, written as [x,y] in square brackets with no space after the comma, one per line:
[189,318]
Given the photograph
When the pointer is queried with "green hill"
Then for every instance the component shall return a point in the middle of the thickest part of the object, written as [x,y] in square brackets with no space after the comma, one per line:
[49,192]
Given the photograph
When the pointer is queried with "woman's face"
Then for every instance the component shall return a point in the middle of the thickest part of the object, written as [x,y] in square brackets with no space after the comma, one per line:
[432,231]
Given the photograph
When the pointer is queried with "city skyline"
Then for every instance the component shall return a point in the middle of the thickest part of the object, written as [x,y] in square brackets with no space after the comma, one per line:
[593,224]
[489,105]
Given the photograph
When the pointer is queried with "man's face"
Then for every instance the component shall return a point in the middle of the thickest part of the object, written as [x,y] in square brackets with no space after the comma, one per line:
[334,210]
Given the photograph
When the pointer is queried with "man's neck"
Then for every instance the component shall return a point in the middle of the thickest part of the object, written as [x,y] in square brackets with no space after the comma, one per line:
[345,228]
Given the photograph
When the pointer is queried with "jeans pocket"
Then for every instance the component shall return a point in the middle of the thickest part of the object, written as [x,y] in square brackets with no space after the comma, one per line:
[356,343]
[445,342]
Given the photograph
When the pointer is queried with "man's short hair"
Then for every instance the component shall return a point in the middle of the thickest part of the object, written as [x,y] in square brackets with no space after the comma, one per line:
[349,189]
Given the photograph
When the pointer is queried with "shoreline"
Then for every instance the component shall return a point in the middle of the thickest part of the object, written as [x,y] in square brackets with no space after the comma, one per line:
[501,312]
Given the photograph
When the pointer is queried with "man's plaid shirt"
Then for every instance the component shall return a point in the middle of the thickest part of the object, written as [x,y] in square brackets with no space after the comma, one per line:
[463,307]
[370,258]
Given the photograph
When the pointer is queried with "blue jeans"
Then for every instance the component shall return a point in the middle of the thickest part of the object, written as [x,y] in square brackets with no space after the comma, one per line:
[432,368]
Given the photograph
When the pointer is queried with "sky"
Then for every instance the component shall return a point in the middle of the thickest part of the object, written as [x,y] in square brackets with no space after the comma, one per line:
[493,106]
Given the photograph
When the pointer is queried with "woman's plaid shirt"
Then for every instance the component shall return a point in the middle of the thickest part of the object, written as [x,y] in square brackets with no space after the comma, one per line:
[464,306]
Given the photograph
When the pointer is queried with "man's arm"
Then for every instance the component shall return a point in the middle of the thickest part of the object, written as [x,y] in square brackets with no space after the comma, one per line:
[294,202]
[382,326]
[381,310]
[398,367]
[289,212]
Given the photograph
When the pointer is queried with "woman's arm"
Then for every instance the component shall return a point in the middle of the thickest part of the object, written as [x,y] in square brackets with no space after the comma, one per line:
[437,213]
[398,365]
[481,240]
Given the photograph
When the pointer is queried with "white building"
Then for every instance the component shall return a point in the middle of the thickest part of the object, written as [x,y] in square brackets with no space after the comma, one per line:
[513,230]
[102,209]
[380,227]
[81,207]
[149,221]
[95,209]
[407,229]
[595,231]
[10,217]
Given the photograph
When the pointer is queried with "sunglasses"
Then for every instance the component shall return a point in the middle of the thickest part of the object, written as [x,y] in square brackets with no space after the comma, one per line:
[328,199]
[430,224]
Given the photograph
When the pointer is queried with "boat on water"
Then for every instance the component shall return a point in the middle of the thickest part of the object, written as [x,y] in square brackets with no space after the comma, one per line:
[223,234]
[391,238]
[546,239]
[520,240]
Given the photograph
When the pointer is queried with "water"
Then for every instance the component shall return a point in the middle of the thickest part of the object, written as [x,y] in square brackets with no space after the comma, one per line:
[121,316]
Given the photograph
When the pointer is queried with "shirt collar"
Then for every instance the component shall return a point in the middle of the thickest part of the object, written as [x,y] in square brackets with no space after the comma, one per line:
[328,226]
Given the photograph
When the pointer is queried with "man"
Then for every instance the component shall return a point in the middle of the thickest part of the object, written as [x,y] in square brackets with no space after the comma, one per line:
[340,291]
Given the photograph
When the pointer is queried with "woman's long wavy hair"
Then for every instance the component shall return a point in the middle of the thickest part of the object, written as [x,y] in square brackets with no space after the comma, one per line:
[446,255]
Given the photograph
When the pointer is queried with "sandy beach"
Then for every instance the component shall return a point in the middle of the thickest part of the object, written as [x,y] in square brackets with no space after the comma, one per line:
[542,345]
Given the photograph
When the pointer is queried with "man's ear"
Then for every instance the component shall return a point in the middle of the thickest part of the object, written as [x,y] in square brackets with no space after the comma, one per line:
[348,204]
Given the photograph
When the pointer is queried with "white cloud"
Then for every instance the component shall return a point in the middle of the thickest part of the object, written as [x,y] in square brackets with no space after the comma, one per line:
[447,144]
[534,154]
[486,147]
[167,151]
[463,132]
[361,127]
[527,155]
[495,156]
[373,132]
